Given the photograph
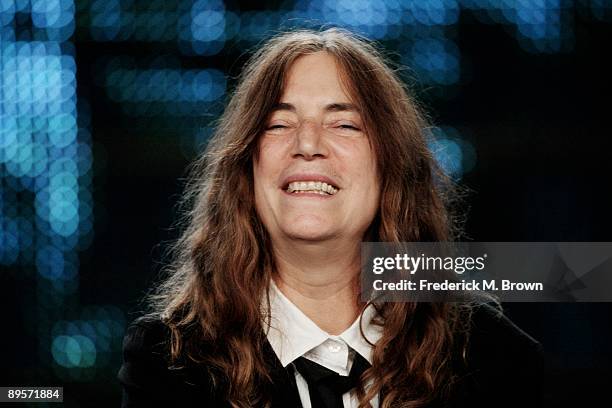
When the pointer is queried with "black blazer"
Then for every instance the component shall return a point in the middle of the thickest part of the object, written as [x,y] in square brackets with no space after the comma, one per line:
[504,370]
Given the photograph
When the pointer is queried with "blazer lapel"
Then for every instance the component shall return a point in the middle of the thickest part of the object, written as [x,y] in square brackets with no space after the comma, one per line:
[284,392]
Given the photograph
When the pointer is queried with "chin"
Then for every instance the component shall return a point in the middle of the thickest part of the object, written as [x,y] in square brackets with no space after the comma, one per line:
[309,232]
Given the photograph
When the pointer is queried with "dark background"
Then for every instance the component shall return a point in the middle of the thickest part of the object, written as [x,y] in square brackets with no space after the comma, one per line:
[530,113]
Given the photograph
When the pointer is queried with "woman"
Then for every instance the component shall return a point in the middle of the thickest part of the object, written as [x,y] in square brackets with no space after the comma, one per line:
[320,148]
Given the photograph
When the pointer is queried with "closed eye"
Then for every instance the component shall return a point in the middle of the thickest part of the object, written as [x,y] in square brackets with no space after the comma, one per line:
[348,127]
[276,127]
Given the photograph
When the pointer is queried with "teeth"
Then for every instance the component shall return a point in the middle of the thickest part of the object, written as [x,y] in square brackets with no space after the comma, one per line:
[311,187]
[310,191]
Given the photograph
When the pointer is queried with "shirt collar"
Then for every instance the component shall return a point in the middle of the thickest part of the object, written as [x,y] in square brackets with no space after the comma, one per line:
[291,333]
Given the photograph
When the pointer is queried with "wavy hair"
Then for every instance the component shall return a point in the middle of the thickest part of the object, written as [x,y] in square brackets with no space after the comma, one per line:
[222,263]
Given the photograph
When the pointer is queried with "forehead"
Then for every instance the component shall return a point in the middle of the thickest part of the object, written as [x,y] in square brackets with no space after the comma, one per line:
[315,77]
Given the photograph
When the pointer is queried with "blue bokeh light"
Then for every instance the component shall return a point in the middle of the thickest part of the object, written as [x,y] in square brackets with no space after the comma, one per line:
[73,351]
[179,92]
[436,60]
[45,168]
[455,155]
[425,29]
[38,148]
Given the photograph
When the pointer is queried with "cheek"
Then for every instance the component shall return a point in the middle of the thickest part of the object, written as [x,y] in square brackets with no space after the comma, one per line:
[259,179]
[262,166]
[361,164]
[370,184]
[274,145]
[271,156]
[257,174]
[266,174]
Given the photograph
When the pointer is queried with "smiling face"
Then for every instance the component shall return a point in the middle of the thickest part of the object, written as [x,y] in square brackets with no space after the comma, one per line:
[315,178]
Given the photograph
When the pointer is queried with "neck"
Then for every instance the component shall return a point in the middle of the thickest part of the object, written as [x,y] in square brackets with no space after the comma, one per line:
[319,278]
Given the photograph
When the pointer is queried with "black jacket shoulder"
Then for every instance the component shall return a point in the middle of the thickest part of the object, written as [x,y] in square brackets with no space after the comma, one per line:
[147,377]
[495,338]
[504,364]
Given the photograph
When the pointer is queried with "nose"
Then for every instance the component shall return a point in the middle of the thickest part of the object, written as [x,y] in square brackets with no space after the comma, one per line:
[309,141]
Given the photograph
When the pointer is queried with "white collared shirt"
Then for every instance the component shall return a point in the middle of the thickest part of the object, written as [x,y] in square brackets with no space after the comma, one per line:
[292,334]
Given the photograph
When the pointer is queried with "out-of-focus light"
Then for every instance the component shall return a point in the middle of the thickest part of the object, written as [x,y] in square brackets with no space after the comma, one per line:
[105,19]
[600,9]
[90,340]
[73,351]
[454,154]
[177,92]
[540,26]
[435,60]
[45,169]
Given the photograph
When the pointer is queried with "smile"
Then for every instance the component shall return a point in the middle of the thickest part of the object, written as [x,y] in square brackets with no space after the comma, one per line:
[317,187]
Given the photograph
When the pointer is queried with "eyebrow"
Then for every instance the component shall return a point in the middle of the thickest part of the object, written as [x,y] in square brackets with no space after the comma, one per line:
[332,107]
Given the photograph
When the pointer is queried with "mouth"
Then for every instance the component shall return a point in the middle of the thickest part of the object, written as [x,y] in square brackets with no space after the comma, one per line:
[316,187]
[311,186]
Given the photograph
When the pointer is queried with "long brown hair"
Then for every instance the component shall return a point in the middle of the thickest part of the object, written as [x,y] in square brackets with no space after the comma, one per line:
[222,263]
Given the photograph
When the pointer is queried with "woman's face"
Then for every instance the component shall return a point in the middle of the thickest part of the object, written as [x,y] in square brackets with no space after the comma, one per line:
[315,178]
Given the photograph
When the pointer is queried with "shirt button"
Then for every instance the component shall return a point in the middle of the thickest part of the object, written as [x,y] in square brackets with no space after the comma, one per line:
[334,347]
